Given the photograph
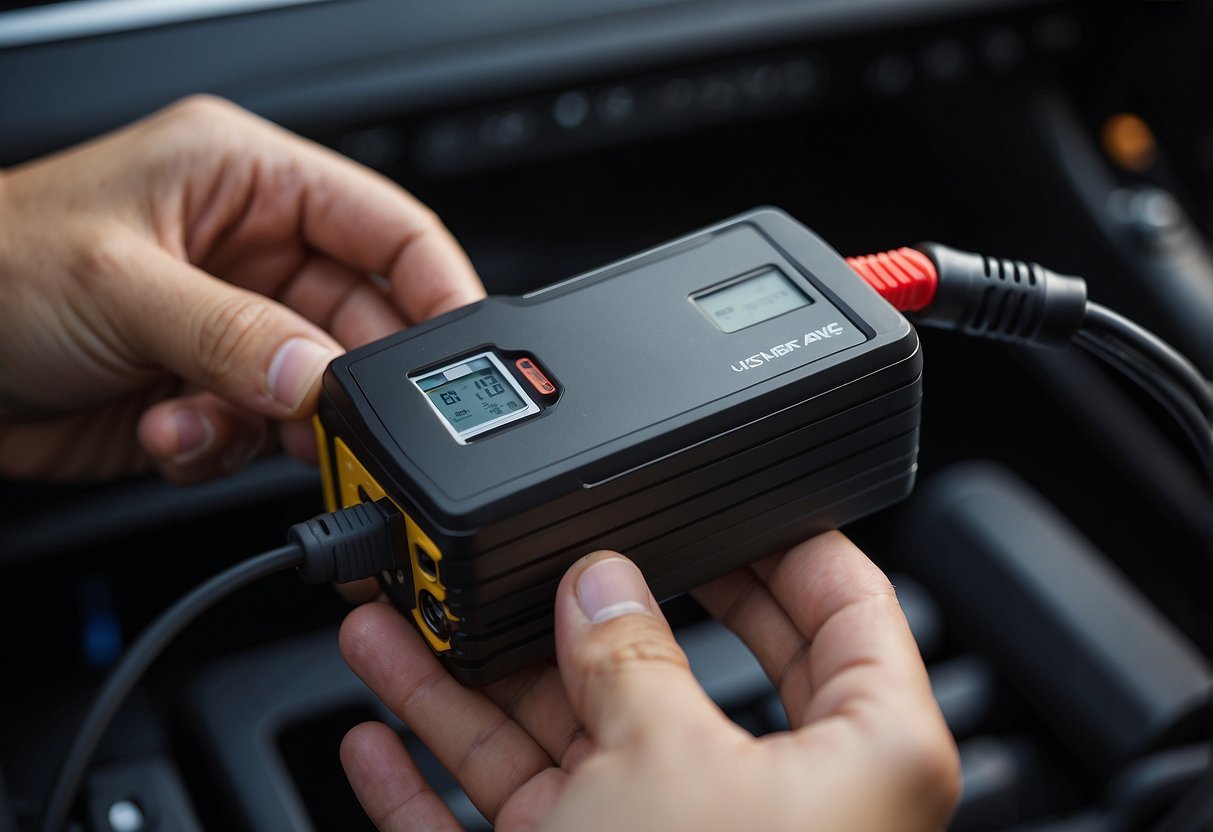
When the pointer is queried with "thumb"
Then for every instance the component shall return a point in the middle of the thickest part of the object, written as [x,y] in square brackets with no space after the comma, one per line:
[246,347]
[625,675]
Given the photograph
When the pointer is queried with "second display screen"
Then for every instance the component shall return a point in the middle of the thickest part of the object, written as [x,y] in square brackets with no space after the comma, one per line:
[751,300]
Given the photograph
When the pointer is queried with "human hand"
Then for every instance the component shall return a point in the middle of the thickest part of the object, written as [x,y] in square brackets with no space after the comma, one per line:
[623,737]
[173,289]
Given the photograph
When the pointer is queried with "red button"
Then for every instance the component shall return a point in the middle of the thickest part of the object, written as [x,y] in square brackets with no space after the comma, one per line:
[537,379]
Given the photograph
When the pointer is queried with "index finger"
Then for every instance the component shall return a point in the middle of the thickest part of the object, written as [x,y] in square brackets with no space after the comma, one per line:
[490,754]
[366,220]
[825,623]
[352,214]
[861,644]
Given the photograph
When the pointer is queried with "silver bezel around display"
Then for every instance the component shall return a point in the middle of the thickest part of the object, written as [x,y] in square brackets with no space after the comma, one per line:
[462,437]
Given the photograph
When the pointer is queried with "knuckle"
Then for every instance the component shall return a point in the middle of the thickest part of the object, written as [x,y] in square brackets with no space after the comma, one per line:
[101,253]
[191,134]
[428,229]
[429,221]
[931,761]
[202,107]
[227,333]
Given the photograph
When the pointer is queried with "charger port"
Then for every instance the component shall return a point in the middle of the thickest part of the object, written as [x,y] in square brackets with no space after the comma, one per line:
[433,613]
[427,565]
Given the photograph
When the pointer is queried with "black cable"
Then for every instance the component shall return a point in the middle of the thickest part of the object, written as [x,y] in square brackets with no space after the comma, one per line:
[1176,401]
[1158,385]
[349,544]
[1158,351]
[143,652]
[1010,300]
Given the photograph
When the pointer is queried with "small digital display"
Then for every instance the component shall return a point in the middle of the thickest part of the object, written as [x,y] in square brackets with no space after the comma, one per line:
[751,299]
[474,395]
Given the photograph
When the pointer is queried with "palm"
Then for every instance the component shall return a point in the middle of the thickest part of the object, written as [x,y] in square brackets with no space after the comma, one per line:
[821,620]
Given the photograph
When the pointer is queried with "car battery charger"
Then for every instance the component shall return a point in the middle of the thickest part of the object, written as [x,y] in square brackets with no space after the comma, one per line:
[696,406]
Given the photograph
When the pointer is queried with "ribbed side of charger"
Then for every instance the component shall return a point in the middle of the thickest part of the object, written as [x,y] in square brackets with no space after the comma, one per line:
[723,511]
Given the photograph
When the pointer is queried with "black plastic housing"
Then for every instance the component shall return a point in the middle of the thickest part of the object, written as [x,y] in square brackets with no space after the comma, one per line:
[692,450]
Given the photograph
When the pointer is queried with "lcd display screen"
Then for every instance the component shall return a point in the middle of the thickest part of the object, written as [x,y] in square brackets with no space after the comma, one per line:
[751,299]
[474,395]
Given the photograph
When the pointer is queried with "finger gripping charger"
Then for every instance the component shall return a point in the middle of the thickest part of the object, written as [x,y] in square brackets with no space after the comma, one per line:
[696,406]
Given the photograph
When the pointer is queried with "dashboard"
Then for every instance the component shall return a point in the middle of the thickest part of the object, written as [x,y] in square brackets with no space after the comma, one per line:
[1055,561]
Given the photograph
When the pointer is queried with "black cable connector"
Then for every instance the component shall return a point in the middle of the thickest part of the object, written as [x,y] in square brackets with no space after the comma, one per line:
[361,541]
[1012,300]
[1008,300]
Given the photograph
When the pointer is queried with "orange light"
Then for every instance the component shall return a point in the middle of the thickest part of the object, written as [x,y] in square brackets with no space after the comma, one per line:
[535,376]
[1129,142]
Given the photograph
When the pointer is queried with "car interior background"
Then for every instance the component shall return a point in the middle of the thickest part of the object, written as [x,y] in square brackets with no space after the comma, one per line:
[1054,561]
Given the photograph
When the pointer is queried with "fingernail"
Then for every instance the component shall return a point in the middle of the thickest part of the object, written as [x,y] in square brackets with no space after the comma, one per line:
[611,588]
[293,369]
[194,435]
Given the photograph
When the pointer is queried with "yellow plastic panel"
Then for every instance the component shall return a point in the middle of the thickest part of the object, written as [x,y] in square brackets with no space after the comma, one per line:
[353,476]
